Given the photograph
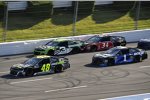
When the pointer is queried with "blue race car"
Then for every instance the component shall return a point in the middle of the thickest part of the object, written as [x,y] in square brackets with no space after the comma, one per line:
[119,55]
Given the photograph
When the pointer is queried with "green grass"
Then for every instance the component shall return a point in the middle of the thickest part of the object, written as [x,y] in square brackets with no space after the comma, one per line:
[37,23]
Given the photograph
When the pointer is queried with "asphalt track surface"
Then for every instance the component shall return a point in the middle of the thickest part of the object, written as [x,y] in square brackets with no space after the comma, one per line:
[81,82]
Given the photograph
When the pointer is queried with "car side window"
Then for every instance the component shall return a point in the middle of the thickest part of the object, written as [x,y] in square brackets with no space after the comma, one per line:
[44,61]
[63,44]
[113,38]
[133,50]
[125,51]
[72,43]
[105,39]
[94,39]
[53,60]
[119,53]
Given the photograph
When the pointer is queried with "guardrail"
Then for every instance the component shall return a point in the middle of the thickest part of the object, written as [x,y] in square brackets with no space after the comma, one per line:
[133,36]
[20,47]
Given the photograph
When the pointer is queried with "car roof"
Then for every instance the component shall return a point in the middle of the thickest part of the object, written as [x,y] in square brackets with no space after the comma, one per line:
[121,47]
[42,56]
[61,40]
[104,35]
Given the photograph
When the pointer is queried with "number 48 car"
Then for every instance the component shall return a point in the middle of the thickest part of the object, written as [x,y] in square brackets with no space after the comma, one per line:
[39,65]
[119,55]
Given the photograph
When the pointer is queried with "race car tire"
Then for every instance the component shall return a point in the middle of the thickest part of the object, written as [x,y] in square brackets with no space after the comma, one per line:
[58,69]
[106,62]
[138,59]
[123,44]
[50,52]
[111,62]
[75,50]
[144,56]
[95,62]
[93,49]
[29,72]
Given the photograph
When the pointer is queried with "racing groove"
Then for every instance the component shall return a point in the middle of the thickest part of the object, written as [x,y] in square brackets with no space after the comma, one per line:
[81,82]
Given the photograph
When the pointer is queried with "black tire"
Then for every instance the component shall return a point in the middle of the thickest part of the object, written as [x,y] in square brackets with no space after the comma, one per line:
[50,52]
[95,62]
[29,72]
[58,69]
[93,49]
[138,59]
[75,51]
[123,44]
[144,56]
[111,62]
[106,62]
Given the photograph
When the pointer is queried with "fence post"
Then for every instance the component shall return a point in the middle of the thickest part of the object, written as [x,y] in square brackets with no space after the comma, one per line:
[137,14]
[75,17]
[6,22]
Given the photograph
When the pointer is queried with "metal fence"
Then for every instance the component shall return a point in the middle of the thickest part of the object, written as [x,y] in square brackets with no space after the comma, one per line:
[43,21]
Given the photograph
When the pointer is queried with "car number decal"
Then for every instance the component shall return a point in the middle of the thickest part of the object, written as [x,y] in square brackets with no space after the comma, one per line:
[45,68]
[125,57]
[105,45]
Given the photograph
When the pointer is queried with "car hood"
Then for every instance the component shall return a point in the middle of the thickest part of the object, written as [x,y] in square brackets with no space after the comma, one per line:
[44,47]
[103,55]
[21,66]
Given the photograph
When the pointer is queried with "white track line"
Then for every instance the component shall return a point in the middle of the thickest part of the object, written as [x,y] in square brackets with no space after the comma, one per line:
[66,89]
[129,97]
[4,72]
[144,66]
[30,80]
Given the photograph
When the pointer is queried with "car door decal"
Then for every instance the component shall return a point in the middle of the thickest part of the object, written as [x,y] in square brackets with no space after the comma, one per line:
[62,50]
[45,68]
[125,58]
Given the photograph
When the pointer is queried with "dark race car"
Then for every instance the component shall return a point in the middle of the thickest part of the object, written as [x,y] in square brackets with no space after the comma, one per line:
[144,44]
[119,55]
[97,42]
[60,47]
[39,65]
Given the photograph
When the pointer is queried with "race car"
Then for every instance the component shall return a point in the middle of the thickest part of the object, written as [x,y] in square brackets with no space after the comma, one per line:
[97,42]
[60,47]
[119,55]
[40,65]
[144,44]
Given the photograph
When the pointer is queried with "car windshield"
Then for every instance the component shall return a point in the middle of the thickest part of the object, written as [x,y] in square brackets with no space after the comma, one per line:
[112,51]
[32,61]
[94,39]
[52,43]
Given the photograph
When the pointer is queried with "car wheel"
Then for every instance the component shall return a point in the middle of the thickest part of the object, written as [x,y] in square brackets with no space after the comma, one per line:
[50,52]
[138,59]
[58,69]
[111,62]
[95,62]
[29,72]
[106,62]
[93,49]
